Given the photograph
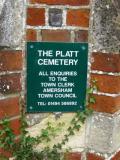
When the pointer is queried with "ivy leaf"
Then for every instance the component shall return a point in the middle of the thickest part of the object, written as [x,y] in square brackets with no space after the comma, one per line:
[92,100]
[89,90]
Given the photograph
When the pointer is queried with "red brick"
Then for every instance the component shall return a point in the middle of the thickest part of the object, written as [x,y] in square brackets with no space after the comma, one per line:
[10,60]
[106,62]
[62,2]
[10,83]
[107,83]
[78,17]
[31,35]
[56,35]
[116,156]
[91,156]
[106,104]
[9,107]
[15,126]
[5,153]
[36,16]
[81,36]
[73,156]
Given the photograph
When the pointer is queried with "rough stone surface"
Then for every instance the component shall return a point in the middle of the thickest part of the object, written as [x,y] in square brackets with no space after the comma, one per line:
[116,133]
[100,133]
[1,5]
[76,142]
[11,22]
[33,119]
[106,25]
[55,17]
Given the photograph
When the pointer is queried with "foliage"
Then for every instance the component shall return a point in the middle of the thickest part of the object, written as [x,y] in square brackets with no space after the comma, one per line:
[24,148]
[6,135]
[2,158]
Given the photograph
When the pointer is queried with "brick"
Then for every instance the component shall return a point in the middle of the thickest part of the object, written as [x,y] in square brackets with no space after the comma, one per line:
[56,35]
[55,17]
[78,17]
[15,126]
[10,83]
[116,156]
[8,57]
[91,156]
[107,83]
[106,62]
[36,16]
[106,104]
[81,36]
[73,156]
[9,107]
[31,35]
[5,153]
[62,2]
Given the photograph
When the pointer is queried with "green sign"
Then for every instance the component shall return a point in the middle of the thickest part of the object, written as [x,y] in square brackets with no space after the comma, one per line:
[56,76]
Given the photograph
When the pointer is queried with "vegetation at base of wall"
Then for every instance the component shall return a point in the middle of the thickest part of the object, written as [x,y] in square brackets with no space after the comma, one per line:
[23,149]
[2,158]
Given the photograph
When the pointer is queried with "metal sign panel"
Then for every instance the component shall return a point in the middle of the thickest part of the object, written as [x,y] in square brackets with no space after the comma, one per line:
[56,76]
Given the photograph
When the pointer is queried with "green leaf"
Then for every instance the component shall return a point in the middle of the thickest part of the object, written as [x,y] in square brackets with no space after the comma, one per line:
[92,100]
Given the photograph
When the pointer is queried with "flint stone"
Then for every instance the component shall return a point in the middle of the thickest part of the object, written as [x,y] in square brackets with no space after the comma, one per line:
[33,119]
[103,133]
[55,17]
[11,23]
[1,5]
[105,26]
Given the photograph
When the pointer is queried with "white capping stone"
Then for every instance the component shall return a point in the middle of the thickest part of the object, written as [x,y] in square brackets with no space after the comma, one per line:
[11,22]
[103,133]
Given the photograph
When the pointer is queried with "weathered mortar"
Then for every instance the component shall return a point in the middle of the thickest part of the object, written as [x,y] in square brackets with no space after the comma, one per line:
[104,36]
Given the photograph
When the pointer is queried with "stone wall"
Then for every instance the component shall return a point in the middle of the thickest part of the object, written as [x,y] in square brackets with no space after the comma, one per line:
[11,61]
[65,21]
